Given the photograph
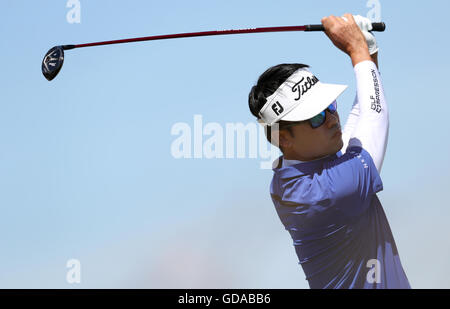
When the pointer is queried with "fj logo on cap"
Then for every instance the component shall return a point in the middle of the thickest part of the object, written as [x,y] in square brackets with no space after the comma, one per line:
[277,108]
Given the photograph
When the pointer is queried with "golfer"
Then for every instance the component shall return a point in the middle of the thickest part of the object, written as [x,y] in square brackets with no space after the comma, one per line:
[325,184]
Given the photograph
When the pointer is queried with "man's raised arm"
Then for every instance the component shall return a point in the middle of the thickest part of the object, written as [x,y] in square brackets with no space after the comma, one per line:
[368,123]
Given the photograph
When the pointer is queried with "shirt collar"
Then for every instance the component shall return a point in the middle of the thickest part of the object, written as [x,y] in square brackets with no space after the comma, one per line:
[292,168]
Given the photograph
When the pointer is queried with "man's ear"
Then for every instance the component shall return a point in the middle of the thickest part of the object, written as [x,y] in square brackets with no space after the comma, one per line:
[284,139]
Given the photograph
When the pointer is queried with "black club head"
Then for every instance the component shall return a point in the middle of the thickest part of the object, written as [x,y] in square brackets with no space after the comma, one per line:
[52,62]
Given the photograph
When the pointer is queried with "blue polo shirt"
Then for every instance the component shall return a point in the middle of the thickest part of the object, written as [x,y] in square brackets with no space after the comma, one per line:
[340,232]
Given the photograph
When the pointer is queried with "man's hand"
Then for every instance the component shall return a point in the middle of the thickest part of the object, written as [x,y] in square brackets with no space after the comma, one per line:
[347,36]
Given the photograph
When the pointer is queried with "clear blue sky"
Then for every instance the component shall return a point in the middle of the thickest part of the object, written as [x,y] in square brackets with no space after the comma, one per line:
[86,170]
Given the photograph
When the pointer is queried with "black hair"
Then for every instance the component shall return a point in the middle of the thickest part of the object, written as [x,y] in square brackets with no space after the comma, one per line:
[267,84]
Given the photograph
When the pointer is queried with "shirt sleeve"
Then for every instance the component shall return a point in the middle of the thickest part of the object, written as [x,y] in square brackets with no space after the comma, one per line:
[354,176]
[368,123]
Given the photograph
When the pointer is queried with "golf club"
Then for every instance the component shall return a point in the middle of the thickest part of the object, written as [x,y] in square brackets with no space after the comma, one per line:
[54,58]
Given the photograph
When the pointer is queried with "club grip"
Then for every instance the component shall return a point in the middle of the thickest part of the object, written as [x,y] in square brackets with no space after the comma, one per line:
[378,27]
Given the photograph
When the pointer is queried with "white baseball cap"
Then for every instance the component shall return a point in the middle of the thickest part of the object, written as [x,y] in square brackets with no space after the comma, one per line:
[301,97]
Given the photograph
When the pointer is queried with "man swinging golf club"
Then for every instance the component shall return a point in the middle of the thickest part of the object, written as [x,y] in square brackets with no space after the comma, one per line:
[324,186]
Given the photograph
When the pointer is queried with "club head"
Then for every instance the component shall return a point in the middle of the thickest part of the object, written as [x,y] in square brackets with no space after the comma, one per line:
[52,62]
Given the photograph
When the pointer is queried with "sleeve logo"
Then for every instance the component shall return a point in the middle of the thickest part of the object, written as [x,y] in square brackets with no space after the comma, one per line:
[375,100]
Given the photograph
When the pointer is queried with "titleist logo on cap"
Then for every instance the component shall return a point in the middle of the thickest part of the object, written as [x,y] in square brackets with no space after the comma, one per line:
[303,88]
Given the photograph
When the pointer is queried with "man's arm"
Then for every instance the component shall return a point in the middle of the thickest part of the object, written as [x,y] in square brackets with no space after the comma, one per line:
[353,117]
[369,116]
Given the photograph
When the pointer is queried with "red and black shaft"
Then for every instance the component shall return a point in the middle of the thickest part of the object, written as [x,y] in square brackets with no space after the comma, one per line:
[376,27]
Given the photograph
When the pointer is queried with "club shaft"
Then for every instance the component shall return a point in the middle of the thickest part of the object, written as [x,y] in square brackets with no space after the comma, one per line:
[193,34]
[376,26]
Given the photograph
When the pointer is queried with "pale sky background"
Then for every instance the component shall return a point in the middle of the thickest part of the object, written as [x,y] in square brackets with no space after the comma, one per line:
[86,170]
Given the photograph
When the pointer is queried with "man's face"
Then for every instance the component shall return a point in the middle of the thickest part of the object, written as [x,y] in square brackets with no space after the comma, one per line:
[307,144]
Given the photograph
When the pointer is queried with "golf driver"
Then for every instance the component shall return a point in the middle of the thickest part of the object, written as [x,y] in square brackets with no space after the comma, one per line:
[54,58]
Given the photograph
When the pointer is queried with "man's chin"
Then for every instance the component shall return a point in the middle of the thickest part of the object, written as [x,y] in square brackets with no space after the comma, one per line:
[339,145]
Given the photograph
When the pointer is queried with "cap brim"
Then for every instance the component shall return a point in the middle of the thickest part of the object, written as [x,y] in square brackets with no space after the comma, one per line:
[317,102]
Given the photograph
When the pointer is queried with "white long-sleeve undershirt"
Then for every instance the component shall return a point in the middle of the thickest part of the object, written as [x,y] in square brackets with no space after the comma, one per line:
[367,125]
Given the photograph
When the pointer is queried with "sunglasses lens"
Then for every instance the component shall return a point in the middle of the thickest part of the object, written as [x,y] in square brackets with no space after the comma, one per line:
[318,120]
[333,107]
